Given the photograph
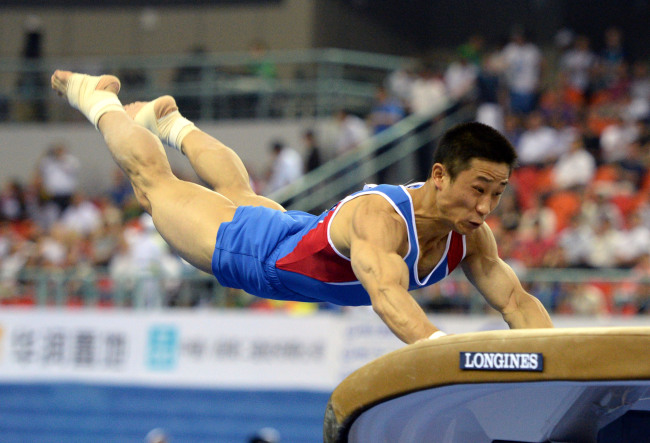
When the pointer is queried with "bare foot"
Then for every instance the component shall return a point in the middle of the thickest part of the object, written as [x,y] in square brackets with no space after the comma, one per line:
[162,107]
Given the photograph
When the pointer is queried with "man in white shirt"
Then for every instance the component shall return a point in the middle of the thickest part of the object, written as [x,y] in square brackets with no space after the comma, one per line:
[287,167]
[578,63]
[523,68]
[538,143]
[574,168]
[60,174]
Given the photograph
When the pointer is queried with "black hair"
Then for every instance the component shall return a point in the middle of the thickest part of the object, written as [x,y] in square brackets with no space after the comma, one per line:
[466,141]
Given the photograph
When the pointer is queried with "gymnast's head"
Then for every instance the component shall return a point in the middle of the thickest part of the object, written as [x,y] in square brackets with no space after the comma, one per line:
[463,143]
[472,166]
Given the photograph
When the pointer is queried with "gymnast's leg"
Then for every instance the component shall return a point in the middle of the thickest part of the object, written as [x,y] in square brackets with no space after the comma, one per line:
[215,163]
[186,215]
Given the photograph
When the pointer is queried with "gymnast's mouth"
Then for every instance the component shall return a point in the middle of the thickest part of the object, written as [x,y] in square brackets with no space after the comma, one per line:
[475,225]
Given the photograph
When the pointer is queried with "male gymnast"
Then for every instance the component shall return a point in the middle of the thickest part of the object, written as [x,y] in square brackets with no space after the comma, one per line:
[370,249]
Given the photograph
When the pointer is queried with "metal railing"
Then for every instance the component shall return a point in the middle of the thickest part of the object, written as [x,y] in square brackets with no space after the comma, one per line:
[324,186]
[566,291]
[311,82]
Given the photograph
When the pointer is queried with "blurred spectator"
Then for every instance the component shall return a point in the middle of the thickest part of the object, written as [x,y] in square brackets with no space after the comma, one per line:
[539,221]
[633,168]
[575,241]
[578,63]
[59,172]
[428,94]
[508,212]
[260,65]
[636,242]
[586,299]
[428,91]
[575,168]
[613,56]
[15,253]
[472,49]
[399,84]
[489,92]
[512,128]
[144,266]
[13,202]
[81,216]
[352,130]
[263,72]
[538,143]
[286,167]
[385,112]
[460,79]
[606,241]
[312,150]
[640,81]
[53,247]
[616,138]
[121,190]
[523,70]
[597,205]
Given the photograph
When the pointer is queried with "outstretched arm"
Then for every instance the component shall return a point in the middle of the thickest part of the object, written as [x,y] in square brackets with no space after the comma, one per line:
[497,282]
[375,239]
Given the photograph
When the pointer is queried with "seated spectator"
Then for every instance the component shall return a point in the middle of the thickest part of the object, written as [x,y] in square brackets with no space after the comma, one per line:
[428,92]
[575,240]
[596,206]
[575,168]
[538,221]
[538,143]
[81,216]
[606,241]
[615,140]
[578,63]
[636,242]
[460,79]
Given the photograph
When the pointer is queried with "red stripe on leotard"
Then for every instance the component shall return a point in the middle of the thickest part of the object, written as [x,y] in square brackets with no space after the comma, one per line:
[314,257]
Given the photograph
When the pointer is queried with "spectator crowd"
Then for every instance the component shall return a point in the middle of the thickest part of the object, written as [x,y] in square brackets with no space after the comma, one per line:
[577,116]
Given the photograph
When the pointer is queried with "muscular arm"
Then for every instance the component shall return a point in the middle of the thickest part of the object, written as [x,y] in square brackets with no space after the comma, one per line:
[497,282]
[375,238]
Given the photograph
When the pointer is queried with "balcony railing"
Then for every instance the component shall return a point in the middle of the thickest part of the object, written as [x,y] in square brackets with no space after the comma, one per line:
[565,291]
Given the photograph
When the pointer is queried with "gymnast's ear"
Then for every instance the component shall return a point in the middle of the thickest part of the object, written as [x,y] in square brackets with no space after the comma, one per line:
[438,173]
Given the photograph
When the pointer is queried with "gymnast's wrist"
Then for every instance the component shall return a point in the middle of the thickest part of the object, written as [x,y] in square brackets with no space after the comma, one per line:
[437,334]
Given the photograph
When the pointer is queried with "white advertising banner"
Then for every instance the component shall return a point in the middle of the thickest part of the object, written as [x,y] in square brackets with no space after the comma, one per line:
[223,349]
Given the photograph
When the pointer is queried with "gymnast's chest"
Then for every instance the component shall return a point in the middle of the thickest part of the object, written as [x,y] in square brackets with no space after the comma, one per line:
[429,257]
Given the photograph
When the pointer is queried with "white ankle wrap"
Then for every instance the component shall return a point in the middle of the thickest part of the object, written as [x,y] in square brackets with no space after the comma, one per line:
[170,129]
[82,95]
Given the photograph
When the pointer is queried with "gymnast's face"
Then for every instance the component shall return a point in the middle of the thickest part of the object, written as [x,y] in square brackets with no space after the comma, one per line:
[465,202]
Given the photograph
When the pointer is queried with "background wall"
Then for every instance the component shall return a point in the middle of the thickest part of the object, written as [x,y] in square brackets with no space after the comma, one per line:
[386,26]
[163,30]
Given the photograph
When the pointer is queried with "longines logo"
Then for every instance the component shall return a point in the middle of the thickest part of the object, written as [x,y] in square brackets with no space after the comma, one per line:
[501,361]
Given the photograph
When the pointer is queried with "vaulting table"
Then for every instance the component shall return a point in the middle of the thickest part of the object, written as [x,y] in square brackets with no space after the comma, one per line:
[539,385]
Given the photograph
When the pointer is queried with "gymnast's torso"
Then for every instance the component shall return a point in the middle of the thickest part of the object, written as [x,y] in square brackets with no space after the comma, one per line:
[290,255]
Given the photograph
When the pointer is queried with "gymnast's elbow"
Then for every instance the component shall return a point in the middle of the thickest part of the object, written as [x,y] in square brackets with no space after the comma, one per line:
[523,310]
